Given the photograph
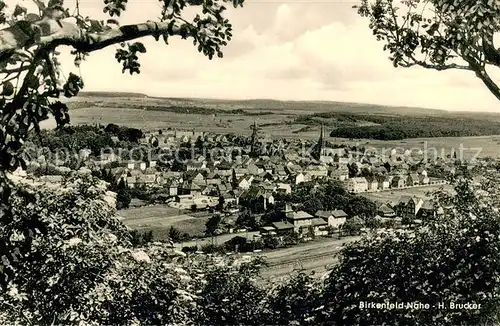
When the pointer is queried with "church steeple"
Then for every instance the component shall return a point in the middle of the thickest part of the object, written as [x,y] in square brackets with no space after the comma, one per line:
[320,145]
[253,145]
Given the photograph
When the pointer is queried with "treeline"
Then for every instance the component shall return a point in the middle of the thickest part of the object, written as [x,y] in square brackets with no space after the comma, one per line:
[397,127]
[92,137]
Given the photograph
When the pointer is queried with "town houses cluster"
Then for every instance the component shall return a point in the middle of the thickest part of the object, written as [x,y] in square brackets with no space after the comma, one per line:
[264,168]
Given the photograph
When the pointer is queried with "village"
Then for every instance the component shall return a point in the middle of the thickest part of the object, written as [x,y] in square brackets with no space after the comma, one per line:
[251,184]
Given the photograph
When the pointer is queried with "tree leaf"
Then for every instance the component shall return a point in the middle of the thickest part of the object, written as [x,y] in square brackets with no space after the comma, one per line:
[40,5]
[96,25]
[139,47]
[19,10]
[8,89]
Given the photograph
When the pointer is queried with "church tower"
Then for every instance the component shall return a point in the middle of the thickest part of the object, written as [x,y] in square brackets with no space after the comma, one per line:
[320,146]
[254,138]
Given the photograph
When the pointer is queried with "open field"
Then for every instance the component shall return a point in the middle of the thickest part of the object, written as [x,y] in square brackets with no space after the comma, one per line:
[278,126]
[159,218]
[395,194]
[315,256]
[276,118]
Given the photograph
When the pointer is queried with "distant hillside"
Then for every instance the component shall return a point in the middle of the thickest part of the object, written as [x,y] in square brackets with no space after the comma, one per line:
[111,94]
[133,100]
[263,104]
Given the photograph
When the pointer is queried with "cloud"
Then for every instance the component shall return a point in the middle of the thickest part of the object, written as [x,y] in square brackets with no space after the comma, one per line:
[292,50]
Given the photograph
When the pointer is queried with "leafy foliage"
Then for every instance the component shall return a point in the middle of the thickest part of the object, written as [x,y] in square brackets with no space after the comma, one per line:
[438,34]
[30,58]
[331,195]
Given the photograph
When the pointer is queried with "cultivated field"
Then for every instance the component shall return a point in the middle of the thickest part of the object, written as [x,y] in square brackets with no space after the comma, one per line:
[279,126]
[275,118]
[159,218]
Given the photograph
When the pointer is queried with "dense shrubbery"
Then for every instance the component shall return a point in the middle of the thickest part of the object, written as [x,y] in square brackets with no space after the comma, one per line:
[68,259]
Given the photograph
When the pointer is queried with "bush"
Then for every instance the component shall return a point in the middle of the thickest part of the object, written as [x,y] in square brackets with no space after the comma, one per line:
[191,249]
[455,260]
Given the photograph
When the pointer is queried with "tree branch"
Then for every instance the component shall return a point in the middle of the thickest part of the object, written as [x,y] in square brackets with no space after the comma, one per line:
[52,33]
[491,55]
[435,67]
[16,70]
[485,78]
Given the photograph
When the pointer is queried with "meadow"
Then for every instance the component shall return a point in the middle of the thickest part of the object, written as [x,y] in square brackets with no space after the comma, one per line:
[159,218]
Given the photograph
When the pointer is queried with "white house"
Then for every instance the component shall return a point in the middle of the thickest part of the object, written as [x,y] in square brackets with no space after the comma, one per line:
[357,185]
[284,188]
[337,218]
[244,183]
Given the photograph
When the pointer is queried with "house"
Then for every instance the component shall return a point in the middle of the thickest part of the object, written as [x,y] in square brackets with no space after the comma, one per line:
[147,180]
[267,199]
[427,211]
[193,165]
[131,165]
[339,174]
[317,171]
[300,220]
[269,230]
[320,226]
[52,178]
[383,182]
[241,172]
[109,157]
[224,169]
[302,177]
[195,177]
[153,161]
[191,188]
[372,183]
[252,168]
[244,183]
[283,227]
[408,206]
[284,188]
[84,154]
[337,218]
[385,211]
[213,179]
[131,180]
[323,214]
[398,182]
[424,180]
[356,185]
[413,180]
[436,181]
[266,176]
[229,198]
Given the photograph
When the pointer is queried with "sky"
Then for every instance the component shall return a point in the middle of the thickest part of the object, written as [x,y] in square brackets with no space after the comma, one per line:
[285,50]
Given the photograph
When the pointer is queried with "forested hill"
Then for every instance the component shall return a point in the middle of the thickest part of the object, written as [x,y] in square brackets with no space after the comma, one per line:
[402,127]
